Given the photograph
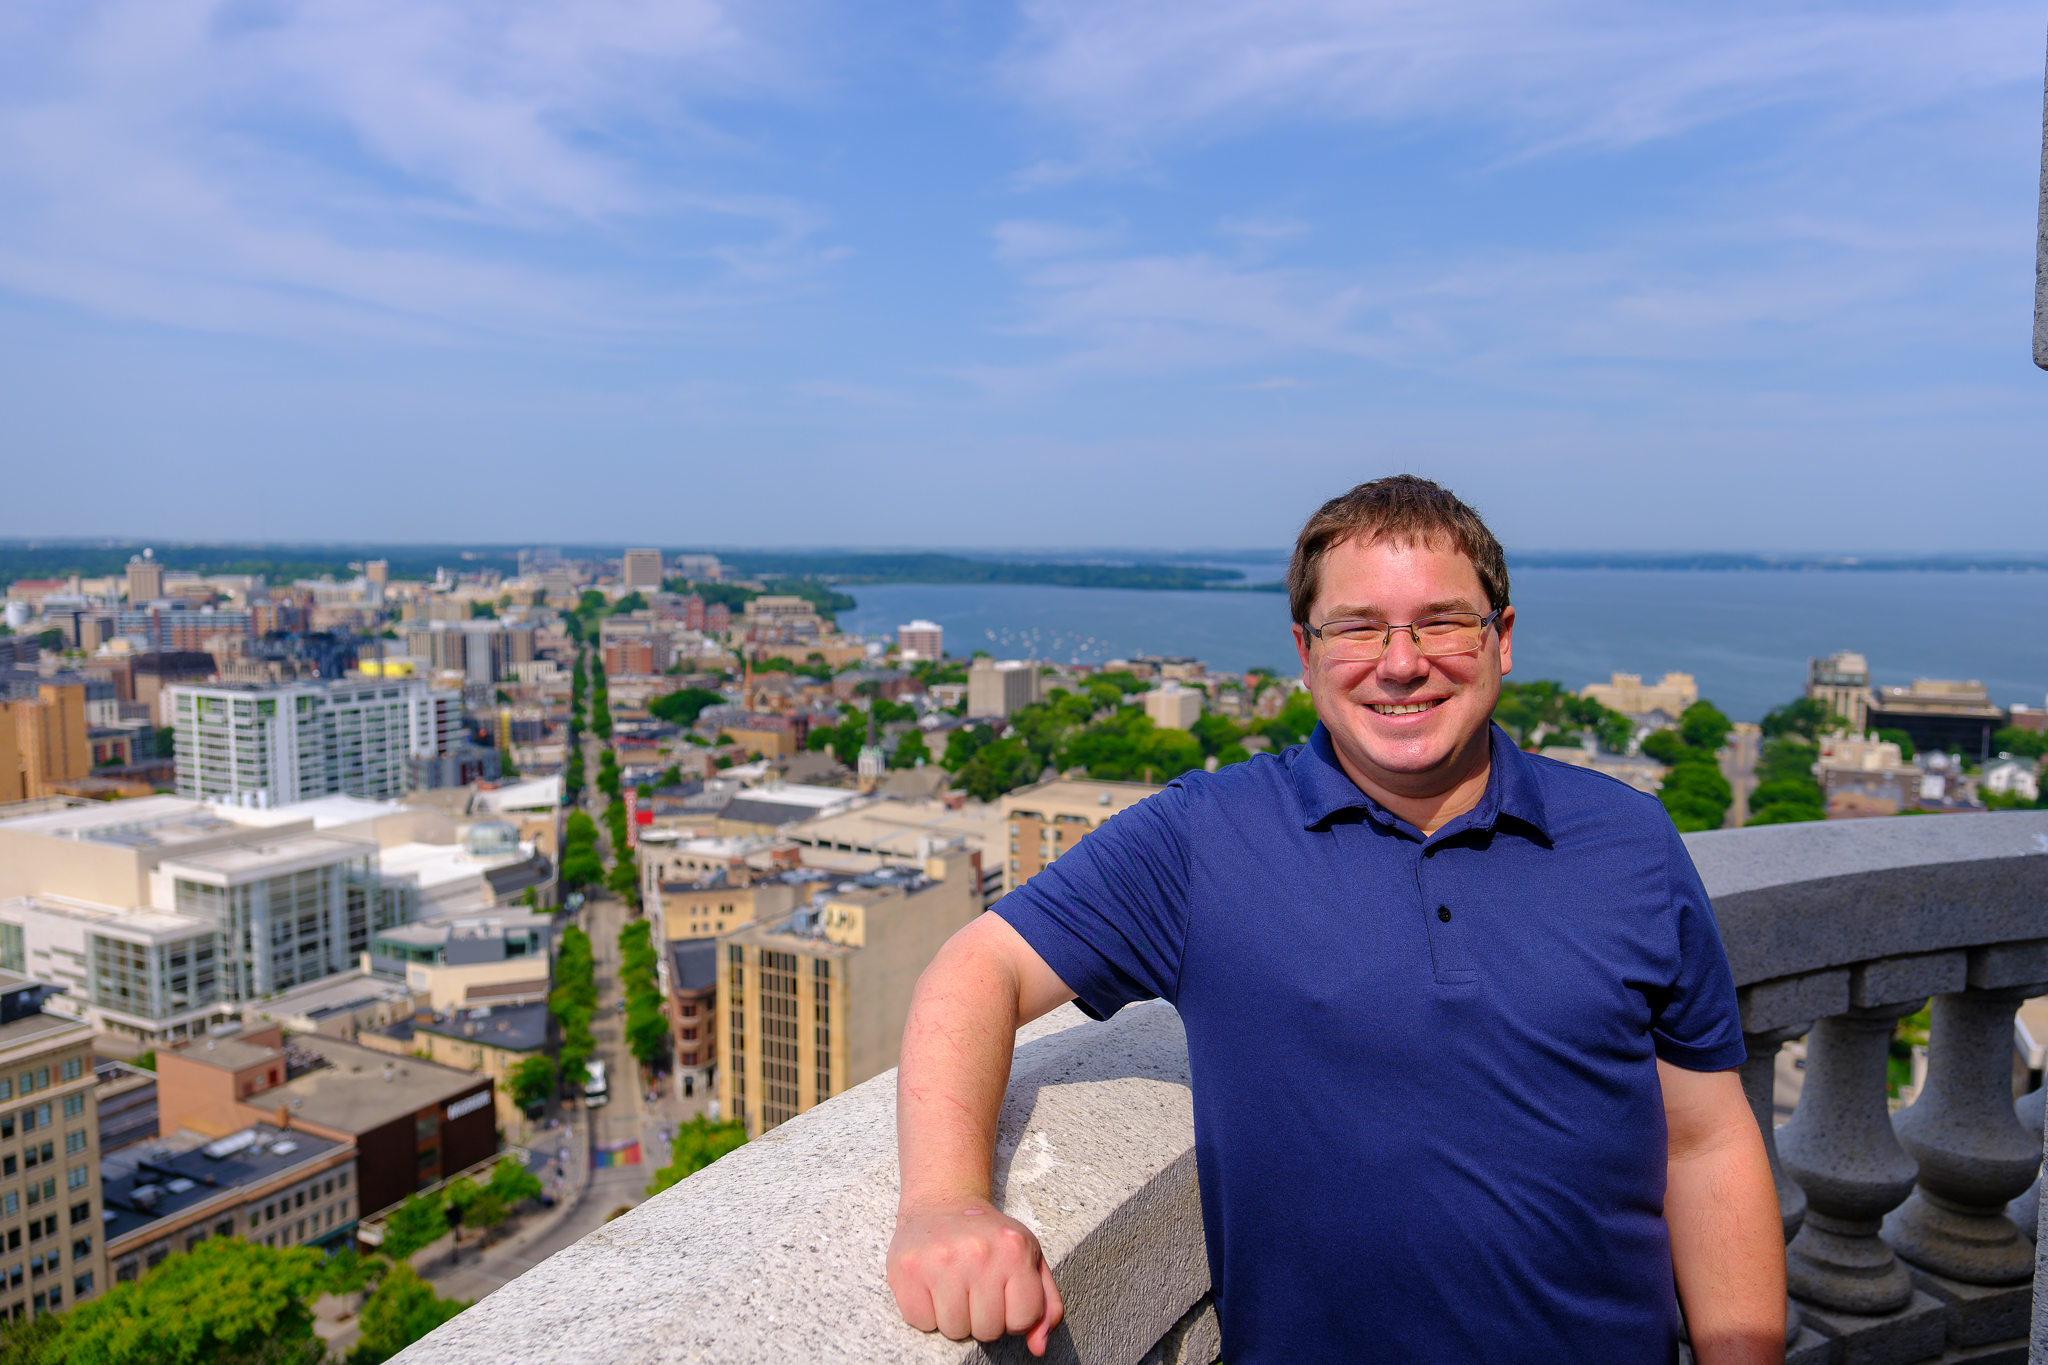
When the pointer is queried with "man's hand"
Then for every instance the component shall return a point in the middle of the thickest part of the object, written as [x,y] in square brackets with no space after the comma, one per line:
[964,1269]
[957,1265]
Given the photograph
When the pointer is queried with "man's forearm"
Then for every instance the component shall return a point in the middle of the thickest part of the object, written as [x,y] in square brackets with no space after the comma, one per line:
[1728,1253]
[955,1065]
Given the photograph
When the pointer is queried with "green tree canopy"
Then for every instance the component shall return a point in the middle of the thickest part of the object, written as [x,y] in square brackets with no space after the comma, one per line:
[2020,743]
[684,706]
[697,1144]
[1704,727]
[1806,719]
[512,1182]
[225,1302]
[1694,791]
[909,750]
[533,1080]
[416,1223]
[404,1309]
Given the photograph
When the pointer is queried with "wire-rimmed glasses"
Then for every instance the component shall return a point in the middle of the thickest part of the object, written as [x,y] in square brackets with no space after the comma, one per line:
[1363,640]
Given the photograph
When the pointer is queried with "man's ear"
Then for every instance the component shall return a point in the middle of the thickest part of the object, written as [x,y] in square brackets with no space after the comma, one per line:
[1506,627]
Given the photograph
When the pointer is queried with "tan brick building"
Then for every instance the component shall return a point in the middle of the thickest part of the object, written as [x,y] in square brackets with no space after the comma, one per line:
[51,1252]
[815,1002]
[43,742]
[1045,820]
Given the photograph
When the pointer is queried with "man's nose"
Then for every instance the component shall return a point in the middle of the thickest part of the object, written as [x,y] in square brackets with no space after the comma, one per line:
[1403,662]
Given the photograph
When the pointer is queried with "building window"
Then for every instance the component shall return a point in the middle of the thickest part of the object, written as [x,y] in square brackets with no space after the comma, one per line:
[74,1142]
[82,1286]
[73,1068]
[77,1177]
[81,1212]
[74,1105]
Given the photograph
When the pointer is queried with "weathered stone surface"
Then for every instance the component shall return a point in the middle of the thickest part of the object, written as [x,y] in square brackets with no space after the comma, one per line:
[1831,893]
[1980,1315]
[1974,1155]
[1810,1348]
[1197,1339]
[1890,980]
[1917,1332]
[2008,964]
[1841,1149]
[2025,1211]
[776,1252]
[1771,1005]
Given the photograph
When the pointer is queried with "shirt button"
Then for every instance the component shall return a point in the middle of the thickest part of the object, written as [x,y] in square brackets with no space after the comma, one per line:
[1443,912]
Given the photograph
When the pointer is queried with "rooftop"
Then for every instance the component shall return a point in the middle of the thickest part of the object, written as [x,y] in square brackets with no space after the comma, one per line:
[134,922]
[694,963]
[270,857]
[150,1182]
[515,1028]
[439,865]
[359,1089]
[147,822]
[227,1054]
[325,812]
[900,828]
[330,996]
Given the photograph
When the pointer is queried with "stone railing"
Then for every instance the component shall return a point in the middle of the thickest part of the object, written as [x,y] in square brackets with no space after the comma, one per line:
[1902,1247]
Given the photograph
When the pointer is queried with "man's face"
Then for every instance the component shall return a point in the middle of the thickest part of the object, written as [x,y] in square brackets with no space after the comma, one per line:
[1405,719]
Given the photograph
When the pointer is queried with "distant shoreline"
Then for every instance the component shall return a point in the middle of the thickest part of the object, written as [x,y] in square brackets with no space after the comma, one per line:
[1213,571]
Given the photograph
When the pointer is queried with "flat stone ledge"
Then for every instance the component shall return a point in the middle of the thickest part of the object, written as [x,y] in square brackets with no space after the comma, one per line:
[1801,898]
[775,1253]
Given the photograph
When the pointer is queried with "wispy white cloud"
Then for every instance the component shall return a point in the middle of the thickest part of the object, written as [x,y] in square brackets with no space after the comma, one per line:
[396,166]
[1131,75]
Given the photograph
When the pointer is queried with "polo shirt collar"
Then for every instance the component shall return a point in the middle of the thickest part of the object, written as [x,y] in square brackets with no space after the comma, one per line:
[1512,788]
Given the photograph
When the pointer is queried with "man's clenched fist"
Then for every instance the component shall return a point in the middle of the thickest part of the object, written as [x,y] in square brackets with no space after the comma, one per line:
[966,1270]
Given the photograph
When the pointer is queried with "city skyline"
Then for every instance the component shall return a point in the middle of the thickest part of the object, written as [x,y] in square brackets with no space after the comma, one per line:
[1075,275]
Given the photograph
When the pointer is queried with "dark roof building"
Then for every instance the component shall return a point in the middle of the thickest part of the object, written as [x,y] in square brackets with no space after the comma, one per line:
[280,1187]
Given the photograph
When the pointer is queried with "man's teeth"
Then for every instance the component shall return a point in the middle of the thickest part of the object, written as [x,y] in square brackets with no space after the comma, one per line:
[1408,708]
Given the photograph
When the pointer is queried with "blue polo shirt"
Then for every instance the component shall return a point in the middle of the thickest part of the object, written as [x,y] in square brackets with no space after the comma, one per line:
[1427,1116]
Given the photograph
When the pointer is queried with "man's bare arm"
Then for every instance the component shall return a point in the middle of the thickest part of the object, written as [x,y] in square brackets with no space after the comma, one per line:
[957,1264]
[1727,1243]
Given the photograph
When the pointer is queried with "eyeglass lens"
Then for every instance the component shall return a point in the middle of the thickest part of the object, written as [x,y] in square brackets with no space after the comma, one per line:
[1360,641]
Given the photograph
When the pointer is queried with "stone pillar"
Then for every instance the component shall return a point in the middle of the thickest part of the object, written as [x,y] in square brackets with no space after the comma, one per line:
[1759,1086]
[2025,1211]
[1839,1146]
[1973,1153]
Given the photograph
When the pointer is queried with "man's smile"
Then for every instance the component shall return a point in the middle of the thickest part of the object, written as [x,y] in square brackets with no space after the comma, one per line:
[1406,708]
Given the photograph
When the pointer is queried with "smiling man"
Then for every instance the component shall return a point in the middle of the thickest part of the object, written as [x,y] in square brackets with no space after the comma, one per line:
[1461,1028]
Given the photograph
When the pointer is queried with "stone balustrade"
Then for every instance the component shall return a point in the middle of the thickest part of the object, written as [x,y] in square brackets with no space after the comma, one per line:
[1902,1247]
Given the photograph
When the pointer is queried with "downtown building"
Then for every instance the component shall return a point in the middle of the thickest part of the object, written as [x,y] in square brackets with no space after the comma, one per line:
[266,745]
[813,1003]
[157,917]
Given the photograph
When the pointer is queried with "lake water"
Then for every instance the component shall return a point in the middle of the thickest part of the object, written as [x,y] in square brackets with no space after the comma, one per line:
[1745,636]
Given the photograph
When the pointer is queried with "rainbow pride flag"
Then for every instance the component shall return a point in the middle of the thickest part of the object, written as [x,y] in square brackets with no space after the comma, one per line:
[618,1154]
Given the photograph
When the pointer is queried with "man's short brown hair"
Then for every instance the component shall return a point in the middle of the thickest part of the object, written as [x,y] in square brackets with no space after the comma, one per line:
[1404,508]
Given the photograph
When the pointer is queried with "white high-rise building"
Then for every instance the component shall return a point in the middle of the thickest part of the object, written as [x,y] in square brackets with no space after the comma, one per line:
[158,916]
[921,639]
[270,744]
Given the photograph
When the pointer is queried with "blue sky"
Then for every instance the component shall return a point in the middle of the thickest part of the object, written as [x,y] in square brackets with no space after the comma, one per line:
[1057,273]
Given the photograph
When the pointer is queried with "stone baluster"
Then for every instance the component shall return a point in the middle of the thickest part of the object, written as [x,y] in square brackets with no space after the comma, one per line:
[2025,1211]
[1840,1147]
[1975,1157]
[1759,1086]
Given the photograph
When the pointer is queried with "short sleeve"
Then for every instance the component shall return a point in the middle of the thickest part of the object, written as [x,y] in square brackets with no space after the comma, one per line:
[1699,1026]
[1110,915]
